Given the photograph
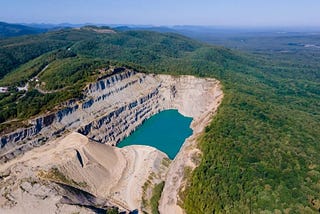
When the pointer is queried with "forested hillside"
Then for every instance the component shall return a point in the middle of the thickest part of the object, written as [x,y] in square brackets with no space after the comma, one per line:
[261,151]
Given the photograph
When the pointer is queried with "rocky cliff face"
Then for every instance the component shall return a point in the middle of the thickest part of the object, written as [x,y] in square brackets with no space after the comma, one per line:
[112,108]
[118,100]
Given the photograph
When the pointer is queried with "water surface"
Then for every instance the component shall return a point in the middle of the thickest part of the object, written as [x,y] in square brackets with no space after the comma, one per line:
[165,131]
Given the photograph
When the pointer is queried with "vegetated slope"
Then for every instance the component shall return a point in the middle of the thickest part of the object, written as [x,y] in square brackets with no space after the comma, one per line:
[74,62]
[19,50]
[261,150]
[12,30]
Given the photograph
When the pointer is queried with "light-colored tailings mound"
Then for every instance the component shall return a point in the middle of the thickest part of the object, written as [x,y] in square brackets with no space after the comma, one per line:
[106,172]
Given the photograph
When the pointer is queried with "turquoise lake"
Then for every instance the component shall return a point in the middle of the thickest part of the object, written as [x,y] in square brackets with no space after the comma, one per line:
[165,131]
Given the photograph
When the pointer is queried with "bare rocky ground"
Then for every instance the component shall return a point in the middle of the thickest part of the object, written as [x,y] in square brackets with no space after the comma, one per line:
[77,171]
[82,172]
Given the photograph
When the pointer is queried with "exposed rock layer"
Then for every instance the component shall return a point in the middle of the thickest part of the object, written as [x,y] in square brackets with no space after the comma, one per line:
[114,107]
[189,155]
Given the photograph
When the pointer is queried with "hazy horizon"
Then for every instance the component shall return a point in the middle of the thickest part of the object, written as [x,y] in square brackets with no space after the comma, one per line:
[232,13]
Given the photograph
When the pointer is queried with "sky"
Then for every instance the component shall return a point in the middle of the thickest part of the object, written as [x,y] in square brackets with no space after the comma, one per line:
[164,12]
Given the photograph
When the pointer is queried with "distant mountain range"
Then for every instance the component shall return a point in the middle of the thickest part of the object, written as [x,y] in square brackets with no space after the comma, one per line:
[11,30]
[197,32]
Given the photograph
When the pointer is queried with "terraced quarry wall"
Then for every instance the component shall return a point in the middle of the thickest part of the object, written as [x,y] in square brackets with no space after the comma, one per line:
[112,108]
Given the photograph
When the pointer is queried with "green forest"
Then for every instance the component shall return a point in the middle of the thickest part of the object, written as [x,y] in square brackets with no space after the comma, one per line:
[261,151]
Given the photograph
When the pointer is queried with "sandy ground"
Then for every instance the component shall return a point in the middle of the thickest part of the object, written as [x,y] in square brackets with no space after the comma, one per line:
[108,172]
